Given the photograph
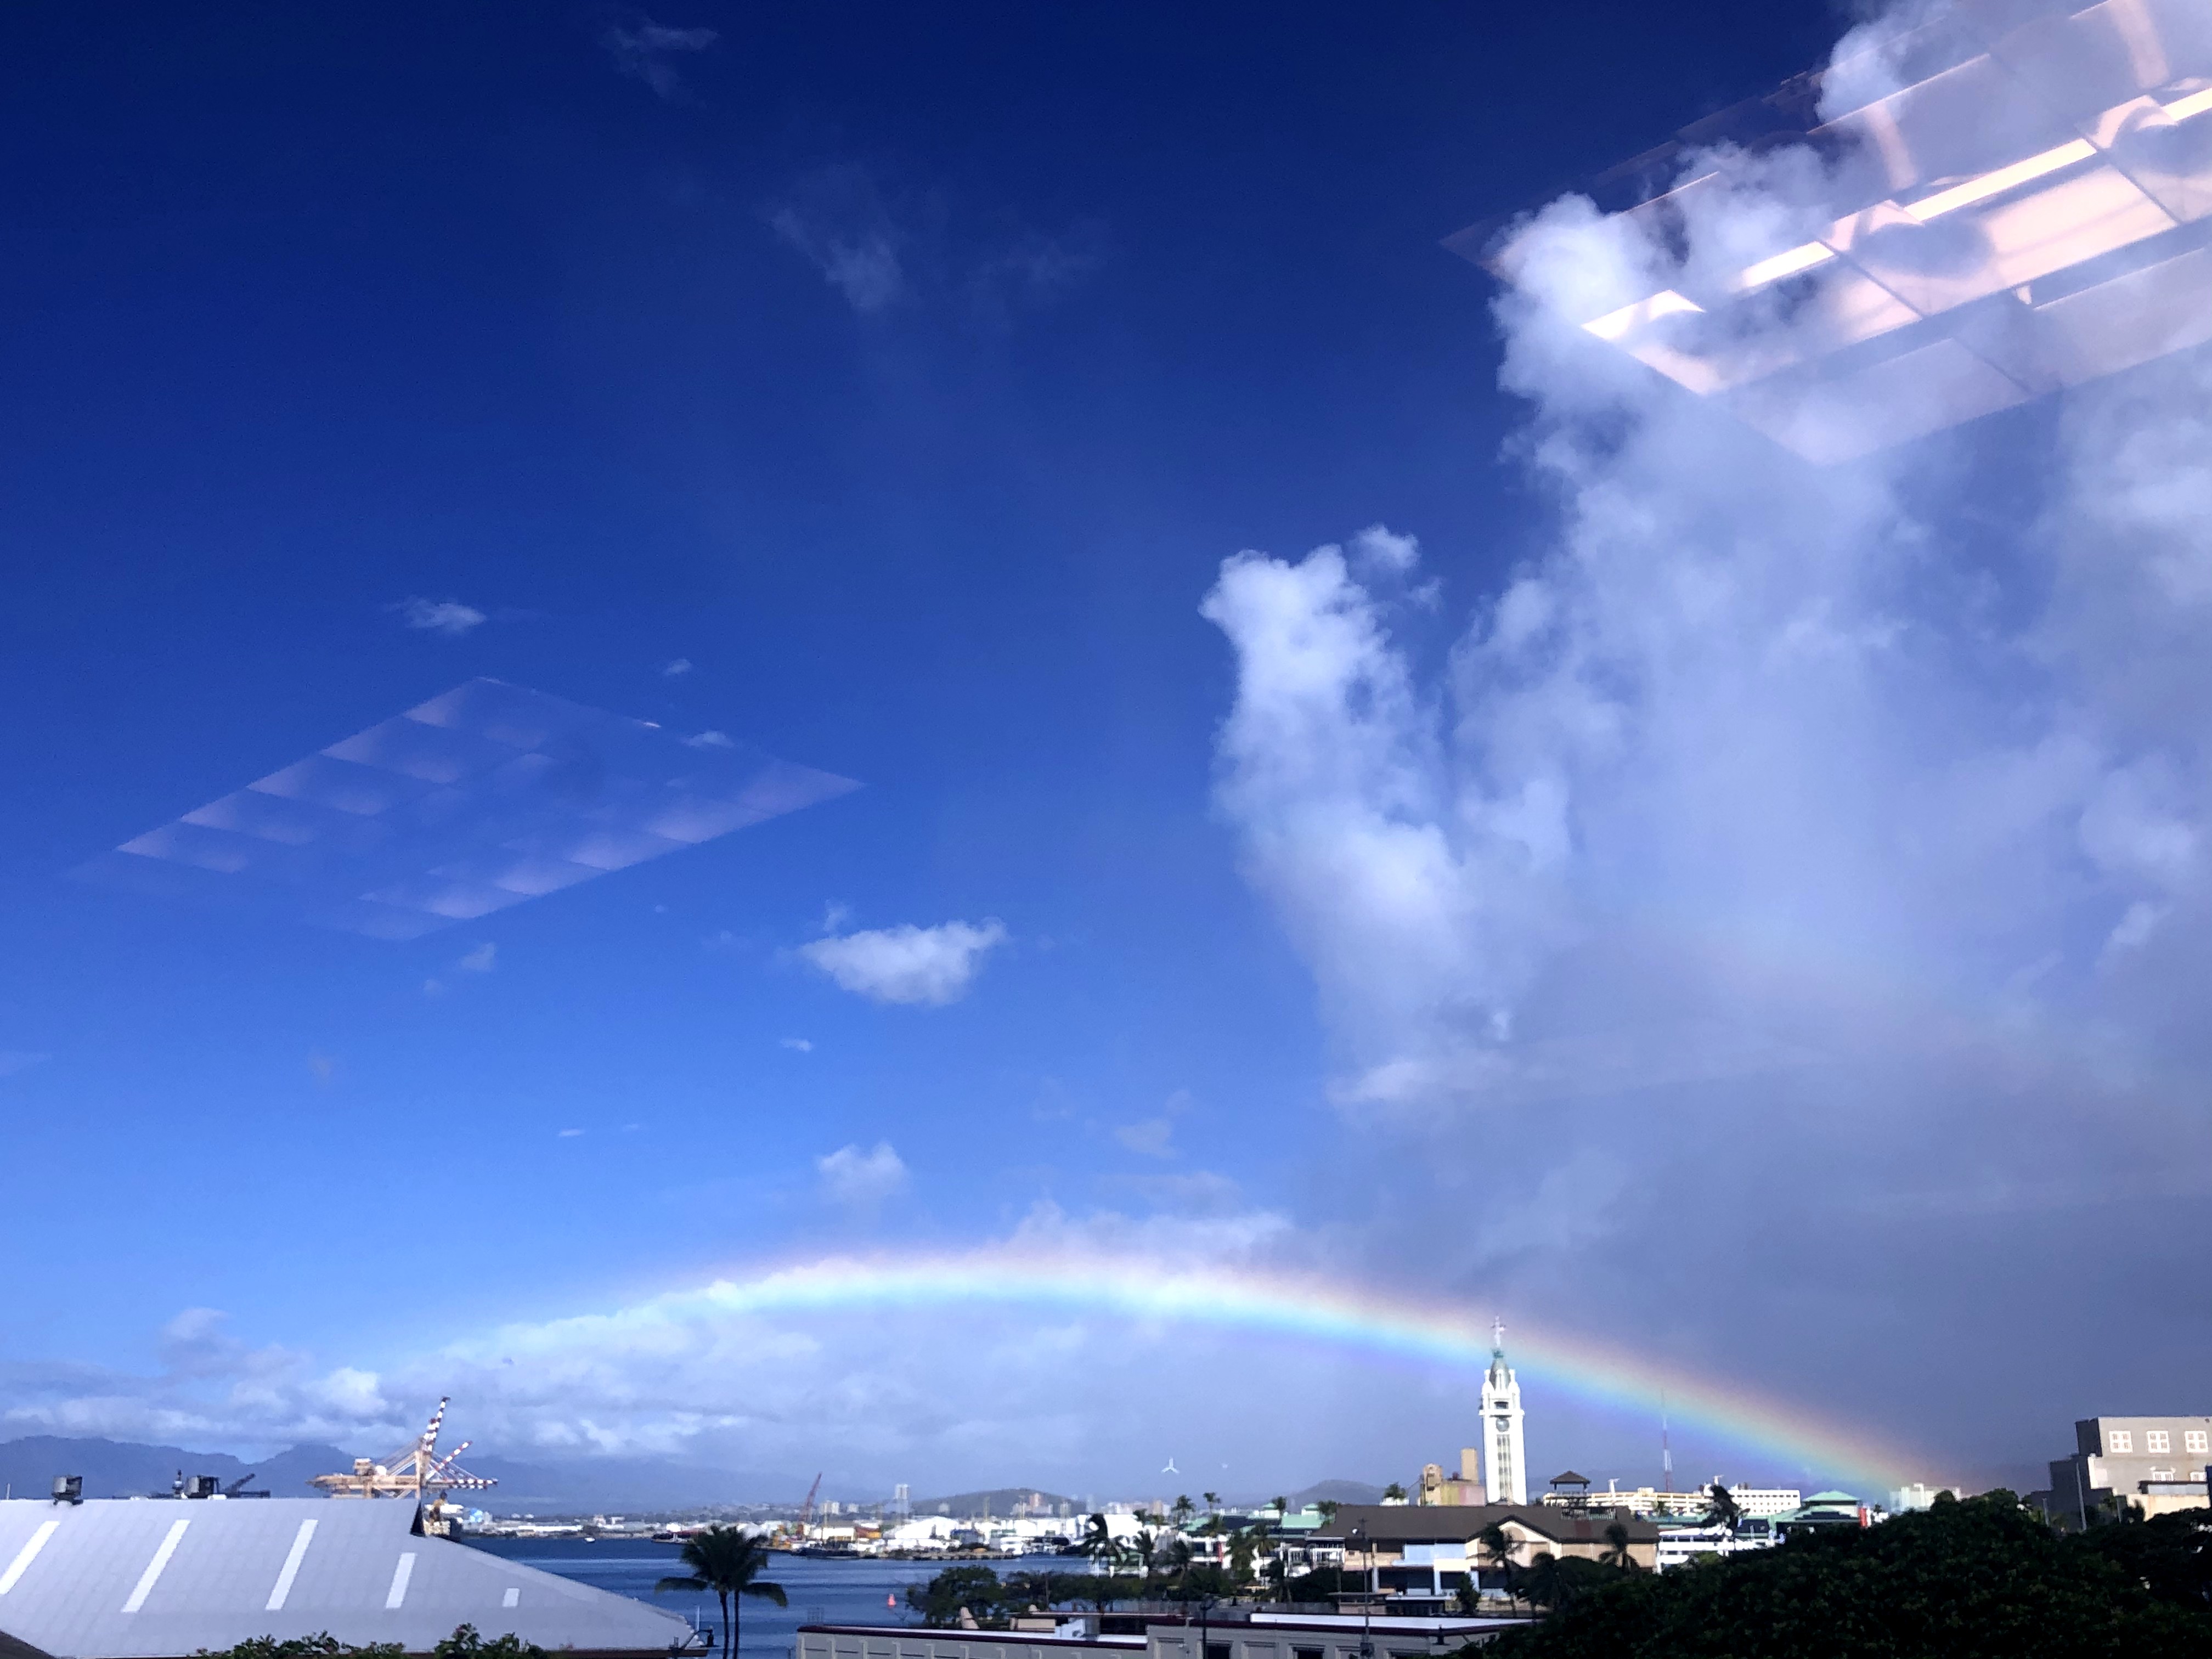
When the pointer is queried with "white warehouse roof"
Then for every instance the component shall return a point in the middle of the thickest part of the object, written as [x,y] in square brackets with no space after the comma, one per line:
[139,1579]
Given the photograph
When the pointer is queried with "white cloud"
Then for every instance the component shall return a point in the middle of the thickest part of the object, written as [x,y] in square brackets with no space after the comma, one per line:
[796,1045]
[448,616]
[910,964]
[837,219]
[480,960]
[862,1178]
[711,740]
[1153,1136]
[642,49]
[883,249]
[678,668]
[1377,549]
[566,1135]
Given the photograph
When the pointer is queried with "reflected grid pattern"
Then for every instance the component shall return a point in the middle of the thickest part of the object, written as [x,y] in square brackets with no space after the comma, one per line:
[2032,212]
[478,799]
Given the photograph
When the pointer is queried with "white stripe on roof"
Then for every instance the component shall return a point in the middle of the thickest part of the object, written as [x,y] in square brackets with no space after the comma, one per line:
[161,1554]
[25,1555]
[397,1596]
[299,1553]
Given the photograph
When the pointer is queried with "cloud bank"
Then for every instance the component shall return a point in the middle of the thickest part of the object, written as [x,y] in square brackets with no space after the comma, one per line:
[930,966]
[1830,841]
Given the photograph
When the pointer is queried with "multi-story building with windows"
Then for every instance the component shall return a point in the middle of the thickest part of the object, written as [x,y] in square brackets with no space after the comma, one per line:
[2154,1464]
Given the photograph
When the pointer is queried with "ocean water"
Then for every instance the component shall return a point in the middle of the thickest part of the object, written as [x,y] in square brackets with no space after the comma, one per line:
[856,1592]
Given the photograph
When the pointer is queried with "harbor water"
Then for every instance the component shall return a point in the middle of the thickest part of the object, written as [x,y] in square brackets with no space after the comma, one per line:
[820,1591]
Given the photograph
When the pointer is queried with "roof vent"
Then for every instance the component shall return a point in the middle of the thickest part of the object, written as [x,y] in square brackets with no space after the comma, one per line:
[68,1489]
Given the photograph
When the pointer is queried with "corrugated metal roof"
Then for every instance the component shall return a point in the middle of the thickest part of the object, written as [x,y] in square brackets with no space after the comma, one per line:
[125,1579]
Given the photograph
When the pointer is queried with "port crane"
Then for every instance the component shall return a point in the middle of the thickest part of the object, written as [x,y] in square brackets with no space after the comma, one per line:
[416,1471]
[806,1509]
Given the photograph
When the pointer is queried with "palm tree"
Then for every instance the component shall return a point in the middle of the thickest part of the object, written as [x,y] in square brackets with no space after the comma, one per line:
[1722,1510]
[726,1561]
[1498,1544]
[1106,1553]
[1616,1545]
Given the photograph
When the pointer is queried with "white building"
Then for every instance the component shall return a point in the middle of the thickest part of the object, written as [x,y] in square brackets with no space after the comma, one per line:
[1765,1502]
[1506,1469]
[1917,1496]
[2153,1464]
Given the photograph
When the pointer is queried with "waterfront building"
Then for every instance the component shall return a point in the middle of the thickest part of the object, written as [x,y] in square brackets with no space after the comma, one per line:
[2154,1464]
[1679,1546]
[1649,1501]
[1227,1633]
[124,1578]
[1419,1556]
[1826,1510]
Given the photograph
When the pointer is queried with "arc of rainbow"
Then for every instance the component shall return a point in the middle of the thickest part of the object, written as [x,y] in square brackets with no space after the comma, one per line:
[1314,1309]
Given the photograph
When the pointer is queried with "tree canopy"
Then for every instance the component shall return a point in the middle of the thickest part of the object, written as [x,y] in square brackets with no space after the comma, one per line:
[1979,1579]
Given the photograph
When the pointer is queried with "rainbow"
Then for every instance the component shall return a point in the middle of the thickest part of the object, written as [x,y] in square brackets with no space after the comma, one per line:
[1298,1307]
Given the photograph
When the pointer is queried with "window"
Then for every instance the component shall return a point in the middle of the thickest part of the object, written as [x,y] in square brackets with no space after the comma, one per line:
[1217,1650]
[1305,1653]
[2118,1441]
[2154,1440]
[2195,1441]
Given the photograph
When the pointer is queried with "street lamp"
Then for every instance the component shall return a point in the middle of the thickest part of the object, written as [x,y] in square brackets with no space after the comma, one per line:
[1367,1601]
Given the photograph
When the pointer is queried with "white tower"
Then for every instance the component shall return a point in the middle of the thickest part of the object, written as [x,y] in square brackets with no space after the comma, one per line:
[1505,1471]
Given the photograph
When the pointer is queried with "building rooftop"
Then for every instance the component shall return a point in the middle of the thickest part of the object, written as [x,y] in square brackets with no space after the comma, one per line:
[120,1578]
[1421,1524]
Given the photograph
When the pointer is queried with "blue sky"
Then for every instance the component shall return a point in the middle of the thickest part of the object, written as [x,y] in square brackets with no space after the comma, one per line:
[908,377]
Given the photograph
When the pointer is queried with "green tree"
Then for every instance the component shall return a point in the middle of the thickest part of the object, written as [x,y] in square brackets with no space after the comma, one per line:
[1328,1507]
[726,1561]
[465,1643]
[1981,1578]
[1394,1493]
[973,1590]
[1184,1509]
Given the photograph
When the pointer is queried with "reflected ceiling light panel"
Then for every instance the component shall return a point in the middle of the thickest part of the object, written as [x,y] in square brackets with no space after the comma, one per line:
[2004,178]
[2026,217]
[2196,104]
[1619,324]
[480,798]
[1791,264]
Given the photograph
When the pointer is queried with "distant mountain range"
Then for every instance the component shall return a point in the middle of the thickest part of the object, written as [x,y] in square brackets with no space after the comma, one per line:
[595,1485]
[122,1468]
